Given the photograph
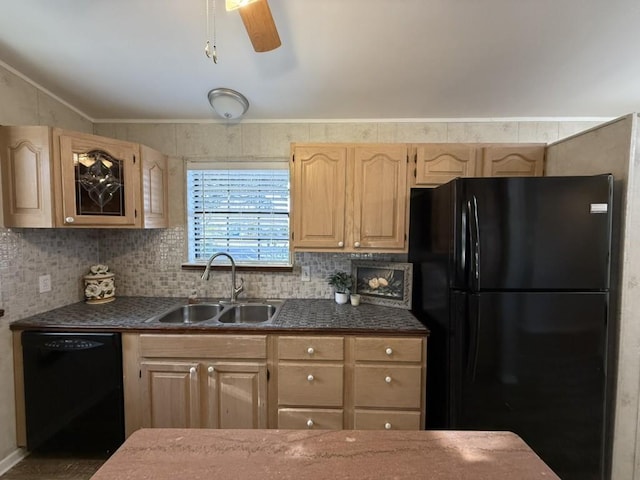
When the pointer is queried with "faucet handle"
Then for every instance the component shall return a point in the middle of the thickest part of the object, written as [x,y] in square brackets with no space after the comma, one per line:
[240,288]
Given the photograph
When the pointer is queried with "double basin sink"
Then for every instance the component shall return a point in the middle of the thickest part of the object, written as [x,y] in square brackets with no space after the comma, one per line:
[242,312]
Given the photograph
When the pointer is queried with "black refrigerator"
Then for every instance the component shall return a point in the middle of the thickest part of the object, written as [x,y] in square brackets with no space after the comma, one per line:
[511,276]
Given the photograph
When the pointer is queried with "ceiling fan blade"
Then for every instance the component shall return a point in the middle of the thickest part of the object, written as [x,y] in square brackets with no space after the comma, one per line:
[260,26]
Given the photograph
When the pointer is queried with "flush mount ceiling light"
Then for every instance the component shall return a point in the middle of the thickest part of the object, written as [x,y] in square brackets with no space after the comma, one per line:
[228,103]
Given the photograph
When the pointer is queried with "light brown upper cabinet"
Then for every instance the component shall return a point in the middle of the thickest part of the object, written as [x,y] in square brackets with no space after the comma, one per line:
[349,197]
[58,178]
[513,161]
[27,177]
[155,188]
[99,178]
[438,163]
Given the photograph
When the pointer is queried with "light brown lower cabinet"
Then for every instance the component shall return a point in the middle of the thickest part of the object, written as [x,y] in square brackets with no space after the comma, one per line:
[310,418]
[386,420]
[371,382]
[195,381]
[170,394]
[274,381]
[387,386]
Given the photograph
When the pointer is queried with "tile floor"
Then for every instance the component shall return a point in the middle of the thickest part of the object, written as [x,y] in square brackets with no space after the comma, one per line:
[39,466]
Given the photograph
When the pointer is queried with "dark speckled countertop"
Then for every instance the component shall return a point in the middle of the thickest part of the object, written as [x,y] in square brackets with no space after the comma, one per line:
[300,315]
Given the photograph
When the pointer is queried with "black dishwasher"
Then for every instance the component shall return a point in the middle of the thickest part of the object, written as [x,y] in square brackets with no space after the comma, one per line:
[73,391]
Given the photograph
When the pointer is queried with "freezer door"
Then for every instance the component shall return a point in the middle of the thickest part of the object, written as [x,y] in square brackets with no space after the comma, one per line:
[534,233]
[534,364]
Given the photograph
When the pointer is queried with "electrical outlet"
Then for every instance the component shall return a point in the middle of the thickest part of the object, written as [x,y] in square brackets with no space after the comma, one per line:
[305,276]
[45,283]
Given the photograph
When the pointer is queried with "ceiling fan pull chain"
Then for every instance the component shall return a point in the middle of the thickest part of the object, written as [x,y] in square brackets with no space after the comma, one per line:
[209,51]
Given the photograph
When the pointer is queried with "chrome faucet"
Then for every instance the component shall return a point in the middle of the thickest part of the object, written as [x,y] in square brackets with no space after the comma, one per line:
[235,291]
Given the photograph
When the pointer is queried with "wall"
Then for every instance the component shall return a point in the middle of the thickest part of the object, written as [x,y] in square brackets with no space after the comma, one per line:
[26,254]
[611,148]
[148,263]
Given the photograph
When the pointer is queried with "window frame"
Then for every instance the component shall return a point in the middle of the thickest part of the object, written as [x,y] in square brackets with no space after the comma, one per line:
[236,164]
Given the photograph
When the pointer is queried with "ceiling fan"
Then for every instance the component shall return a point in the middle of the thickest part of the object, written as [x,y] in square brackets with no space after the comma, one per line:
[257,19]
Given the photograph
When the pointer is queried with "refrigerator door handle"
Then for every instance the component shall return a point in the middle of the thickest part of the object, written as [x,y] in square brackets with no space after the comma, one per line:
[463,241]
[474,236]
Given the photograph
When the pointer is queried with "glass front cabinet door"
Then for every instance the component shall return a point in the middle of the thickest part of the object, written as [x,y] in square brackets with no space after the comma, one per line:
[100,180]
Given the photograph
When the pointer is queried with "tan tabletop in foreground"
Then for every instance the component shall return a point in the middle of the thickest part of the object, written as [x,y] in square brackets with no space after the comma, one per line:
[198,454]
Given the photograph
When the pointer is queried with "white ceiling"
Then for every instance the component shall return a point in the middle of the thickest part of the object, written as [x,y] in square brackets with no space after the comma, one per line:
[339,59]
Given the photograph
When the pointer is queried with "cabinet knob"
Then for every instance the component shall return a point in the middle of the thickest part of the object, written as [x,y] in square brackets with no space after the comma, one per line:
[192,370]
[341,244]
[310,378]
[356,244]
[387,379]
[389,351]
[387,426]
[309,423]
[69,219]
[211,369]
[310,350]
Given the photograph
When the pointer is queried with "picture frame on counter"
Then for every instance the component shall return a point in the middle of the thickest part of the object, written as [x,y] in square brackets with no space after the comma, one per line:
[383,283]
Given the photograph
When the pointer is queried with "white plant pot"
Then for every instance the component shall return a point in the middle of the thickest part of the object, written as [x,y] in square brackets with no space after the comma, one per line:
[342,298]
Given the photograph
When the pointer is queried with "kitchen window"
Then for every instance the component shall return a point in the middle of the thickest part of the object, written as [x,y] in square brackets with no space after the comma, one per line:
[241,208]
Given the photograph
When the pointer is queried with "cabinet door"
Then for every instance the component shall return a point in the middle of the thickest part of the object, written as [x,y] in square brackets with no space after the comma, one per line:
[513,161]
[319,197]
[155,188]
[236,395]
[100,180]
[25,153]
[439,163]
[170,394]
[380,197]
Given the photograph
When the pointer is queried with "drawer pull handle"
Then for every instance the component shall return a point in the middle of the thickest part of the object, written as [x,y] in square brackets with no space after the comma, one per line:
[310,350]
[389,351]
[309,423]
[310,378]
[387,379]
[387,426]
[192,370]
[211,369]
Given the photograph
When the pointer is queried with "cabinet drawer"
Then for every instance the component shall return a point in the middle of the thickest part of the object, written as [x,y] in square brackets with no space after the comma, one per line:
[310,418]
[311,348]
[391,386]
[310,384]
[388,349]
[386,420]
[203,346]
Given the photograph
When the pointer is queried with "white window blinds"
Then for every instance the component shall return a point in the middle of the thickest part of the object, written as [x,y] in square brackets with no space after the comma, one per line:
[239,209]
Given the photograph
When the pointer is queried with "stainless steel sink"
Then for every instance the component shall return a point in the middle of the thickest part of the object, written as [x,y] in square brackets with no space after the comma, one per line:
[251,311]
[198,312]
[248,313]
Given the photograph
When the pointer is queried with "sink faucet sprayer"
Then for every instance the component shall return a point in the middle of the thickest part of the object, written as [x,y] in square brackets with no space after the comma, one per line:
[235,291]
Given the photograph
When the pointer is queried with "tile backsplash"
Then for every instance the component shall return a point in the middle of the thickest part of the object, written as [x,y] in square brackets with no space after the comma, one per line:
[26,254]
[148,263]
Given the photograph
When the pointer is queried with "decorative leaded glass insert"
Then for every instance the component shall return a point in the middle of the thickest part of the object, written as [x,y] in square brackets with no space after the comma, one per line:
[99,184]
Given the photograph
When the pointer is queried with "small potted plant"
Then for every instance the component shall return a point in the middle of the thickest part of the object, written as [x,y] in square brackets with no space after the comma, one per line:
[342,283]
